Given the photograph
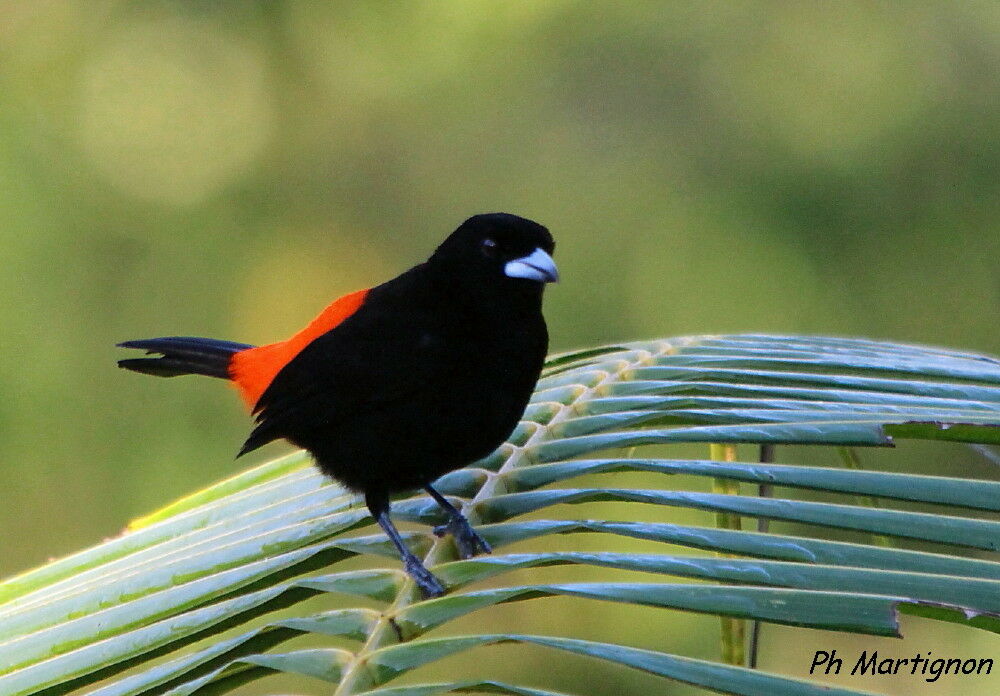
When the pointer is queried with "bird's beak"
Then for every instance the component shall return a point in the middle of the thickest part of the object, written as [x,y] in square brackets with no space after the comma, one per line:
[535,266]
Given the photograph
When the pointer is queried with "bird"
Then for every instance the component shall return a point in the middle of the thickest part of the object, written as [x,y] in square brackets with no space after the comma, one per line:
[391,387]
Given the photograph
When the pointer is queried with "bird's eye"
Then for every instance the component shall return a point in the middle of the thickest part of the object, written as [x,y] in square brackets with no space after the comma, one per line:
[489,247]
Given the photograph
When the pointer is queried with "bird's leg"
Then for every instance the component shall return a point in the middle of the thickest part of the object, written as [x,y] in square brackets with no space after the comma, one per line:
[469,543]
[429,585]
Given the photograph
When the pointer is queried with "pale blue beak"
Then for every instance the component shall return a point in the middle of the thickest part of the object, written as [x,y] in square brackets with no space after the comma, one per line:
[535,266]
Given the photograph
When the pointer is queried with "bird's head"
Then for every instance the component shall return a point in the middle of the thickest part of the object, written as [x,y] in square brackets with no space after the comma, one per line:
[498,251]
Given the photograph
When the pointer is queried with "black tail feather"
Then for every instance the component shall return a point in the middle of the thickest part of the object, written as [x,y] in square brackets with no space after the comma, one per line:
[183,355]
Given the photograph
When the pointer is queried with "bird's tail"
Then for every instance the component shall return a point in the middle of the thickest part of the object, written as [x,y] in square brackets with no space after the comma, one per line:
[183,355]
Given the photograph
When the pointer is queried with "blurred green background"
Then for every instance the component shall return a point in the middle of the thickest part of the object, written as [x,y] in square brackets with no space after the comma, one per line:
[227,168]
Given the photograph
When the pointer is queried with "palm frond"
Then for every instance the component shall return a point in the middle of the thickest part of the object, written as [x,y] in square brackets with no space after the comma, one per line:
[227,562]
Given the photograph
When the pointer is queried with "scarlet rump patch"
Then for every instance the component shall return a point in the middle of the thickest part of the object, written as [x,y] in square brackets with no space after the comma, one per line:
[254,369]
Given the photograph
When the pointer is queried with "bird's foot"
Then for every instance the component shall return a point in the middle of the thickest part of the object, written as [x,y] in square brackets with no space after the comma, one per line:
[469,543]
[425,580]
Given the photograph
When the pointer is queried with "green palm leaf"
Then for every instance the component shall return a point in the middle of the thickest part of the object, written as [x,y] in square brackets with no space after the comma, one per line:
[196,597]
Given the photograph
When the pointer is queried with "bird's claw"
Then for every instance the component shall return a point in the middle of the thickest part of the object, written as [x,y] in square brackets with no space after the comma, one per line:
[425,580]
[469,542]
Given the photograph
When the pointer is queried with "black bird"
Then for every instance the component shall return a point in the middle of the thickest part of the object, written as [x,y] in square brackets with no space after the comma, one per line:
[391,387]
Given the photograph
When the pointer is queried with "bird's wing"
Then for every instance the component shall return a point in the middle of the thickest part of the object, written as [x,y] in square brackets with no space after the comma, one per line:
[361,365]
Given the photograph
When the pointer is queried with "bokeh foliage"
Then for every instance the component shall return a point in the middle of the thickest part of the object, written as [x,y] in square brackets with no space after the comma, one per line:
[226,168]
